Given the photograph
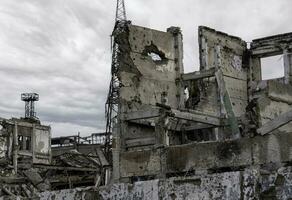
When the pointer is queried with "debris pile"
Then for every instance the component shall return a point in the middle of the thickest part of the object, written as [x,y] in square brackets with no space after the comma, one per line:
[28,166]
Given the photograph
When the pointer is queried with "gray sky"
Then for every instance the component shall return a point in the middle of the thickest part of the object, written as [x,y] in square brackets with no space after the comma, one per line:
[61,48]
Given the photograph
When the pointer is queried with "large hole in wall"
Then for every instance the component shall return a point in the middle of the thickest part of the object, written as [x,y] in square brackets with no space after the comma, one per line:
[24,142]
[157,56]
[191,94]
[201,135]
[272,67]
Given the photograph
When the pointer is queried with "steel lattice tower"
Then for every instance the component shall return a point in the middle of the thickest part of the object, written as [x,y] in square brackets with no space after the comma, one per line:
[29,99]
[121,11]
[112,102]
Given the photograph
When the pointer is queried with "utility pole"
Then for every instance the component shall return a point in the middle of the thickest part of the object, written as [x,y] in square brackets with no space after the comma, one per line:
[112,103]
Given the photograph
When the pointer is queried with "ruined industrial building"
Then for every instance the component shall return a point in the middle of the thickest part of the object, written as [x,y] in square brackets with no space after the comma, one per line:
[218,133]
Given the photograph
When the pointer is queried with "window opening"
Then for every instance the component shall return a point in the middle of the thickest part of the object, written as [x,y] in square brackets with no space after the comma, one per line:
[272,67]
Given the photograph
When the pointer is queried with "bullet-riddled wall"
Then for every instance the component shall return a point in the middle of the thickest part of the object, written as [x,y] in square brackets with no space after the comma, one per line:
[157,122]
[150,63]
[149,67]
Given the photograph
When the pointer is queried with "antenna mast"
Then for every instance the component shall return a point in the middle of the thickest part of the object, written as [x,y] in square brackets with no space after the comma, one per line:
[112,103]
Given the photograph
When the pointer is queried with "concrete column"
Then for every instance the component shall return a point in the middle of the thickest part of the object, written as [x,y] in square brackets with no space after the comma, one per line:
[33,143]
[287,67]
[116,149]
[179,68]
[15,147]
[161,130]
[204,65]
[255,69]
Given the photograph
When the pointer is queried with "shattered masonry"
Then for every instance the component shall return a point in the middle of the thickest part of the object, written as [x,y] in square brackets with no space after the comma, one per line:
[218,133]
[32,163]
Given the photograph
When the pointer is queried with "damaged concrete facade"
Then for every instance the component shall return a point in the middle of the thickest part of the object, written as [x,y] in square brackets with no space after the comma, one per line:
[186,135]
[218,133]
[32,163]
[32,139]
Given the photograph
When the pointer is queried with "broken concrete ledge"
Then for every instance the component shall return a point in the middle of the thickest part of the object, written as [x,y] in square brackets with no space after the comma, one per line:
[260,150]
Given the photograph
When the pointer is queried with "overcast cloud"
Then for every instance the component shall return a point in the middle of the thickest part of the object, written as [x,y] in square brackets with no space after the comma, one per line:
[61,48]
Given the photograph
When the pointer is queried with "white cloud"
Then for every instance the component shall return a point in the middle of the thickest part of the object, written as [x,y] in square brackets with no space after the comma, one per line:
[69,129]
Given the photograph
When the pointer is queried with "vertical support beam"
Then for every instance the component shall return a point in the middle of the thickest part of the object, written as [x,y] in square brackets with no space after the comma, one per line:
[204,51]
[24,142]
[161,129]
[50,145]
[287,67]
[26,114]
[254,75]
[256,71]
[179,68]
[10,146]
[218,64]
[116,150]
[163,164]
[15,147]
[249,77]
[33,143]
[162,140]
[107,176]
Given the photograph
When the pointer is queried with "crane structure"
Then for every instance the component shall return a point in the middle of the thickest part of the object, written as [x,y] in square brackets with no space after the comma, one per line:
[111,107]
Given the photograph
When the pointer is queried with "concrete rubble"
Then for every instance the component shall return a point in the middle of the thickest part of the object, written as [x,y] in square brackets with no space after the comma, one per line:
[218,133]
[30,166]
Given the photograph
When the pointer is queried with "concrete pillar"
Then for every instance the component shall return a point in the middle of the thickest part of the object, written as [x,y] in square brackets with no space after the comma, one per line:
[287,67]
[15,147]
[116,149]
[161,132]
[179,68]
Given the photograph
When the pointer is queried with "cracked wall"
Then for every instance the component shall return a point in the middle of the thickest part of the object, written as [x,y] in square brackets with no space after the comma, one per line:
[232,62]
[146,81]
[210,156]
[150,63]
[212,124]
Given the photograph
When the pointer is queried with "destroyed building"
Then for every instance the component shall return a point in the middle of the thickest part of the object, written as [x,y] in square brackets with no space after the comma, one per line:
[218,133]
[33,163]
